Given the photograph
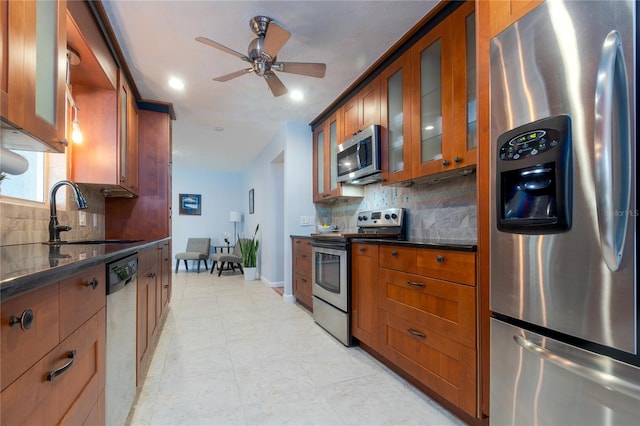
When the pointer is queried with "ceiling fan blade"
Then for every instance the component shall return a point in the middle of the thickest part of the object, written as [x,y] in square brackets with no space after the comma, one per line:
[303,68]
[276,86]
[275,38]
[232,75]
[223,48]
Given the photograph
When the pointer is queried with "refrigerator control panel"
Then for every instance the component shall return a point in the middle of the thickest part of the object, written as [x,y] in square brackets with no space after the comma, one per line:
[530,144]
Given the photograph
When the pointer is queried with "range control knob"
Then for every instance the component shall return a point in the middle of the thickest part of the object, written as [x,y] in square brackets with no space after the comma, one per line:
[394,216]
[387,216]
[364,218]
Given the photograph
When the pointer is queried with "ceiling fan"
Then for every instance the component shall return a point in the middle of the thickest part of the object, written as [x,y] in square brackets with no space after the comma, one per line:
[262,54]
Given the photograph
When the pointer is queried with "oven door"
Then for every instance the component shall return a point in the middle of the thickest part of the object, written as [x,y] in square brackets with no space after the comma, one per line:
[330,274]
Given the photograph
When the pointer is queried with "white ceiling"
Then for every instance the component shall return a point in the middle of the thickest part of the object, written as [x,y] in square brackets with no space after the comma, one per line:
[157,38]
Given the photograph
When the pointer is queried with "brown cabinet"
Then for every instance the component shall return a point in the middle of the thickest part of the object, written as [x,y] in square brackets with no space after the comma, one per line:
[364,294]
[361,111]
[504,13]
[301,274]
[148,216]
[107,159]
[4,44]
[417,308]
[428,103]
[147,309]
[325,172]
[128,137]
[53,370]
[428,316]
[443,113]
[34,67]
[165,276]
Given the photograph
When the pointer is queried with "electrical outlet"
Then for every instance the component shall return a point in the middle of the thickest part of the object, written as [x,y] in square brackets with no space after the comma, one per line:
[82,218]
[304,220]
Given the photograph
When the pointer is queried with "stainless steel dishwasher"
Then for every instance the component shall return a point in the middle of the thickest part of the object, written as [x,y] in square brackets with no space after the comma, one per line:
[121,339]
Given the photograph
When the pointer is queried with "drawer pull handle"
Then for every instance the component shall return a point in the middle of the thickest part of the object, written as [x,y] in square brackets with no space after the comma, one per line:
[304,280]
[440,259]
[166,286]
[362,249]
[93,283]
[458,160]
[304,256]
[394,253]
[151,275]
[415,284]
[445,163]
[416,334]
[59,371]
[25,320]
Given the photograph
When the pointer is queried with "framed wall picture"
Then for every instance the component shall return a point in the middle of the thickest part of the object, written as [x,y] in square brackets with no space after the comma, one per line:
[251,201]
[191,204]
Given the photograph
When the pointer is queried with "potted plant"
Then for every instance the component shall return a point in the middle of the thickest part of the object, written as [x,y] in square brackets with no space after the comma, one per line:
[249,250]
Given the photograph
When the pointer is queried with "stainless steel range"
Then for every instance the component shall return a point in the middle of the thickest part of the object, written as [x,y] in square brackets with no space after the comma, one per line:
[331,267]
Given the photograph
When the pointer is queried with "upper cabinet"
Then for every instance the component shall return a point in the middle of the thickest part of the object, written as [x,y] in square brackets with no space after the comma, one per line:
[325,170]
[502,14]
[361,111]
[128,135]
[107,159]
[395,115]
[34,69]
[443,96]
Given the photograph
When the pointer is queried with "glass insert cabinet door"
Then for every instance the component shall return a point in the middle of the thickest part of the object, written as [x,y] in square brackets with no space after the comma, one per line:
[434,80]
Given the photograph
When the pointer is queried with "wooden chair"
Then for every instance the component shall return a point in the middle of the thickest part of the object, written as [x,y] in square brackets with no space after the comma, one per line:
[232,260]
[197,249]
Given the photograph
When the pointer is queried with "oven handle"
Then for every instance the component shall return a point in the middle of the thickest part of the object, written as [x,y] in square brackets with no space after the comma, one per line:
[334,245]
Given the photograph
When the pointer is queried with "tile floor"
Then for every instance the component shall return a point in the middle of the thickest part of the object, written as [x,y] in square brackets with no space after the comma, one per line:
[233,352]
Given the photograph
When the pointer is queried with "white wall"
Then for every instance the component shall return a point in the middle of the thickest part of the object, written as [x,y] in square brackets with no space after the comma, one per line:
[221,193]
[281,177]
[288,186]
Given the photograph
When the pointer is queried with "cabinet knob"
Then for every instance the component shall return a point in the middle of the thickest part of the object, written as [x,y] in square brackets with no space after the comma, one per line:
[151,275]
[458,160]
[25,319]
[445,163]
[439,259]
[93,283]
[362,249]
[394,253]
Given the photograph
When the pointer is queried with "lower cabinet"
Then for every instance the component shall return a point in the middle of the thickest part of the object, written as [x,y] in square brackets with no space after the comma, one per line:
[364,294]
[64,384]
[416,307]
[301,275]
[154,290]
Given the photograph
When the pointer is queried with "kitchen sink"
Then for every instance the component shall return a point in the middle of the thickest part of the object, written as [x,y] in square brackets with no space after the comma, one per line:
[94,242]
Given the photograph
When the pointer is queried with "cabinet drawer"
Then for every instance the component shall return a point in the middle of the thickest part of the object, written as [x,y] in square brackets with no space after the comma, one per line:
[302,265]
[70,396]
[301,245]
[447,265]
[23,348]
[398,258]
[302,290]
[81,296]
[443,307]
[445,366]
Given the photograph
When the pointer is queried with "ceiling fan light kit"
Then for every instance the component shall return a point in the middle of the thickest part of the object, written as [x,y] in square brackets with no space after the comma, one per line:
[262,53]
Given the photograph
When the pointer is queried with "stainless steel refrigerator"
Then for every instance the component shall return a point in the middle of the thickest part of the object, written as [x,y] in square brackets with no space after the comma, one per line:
[564,293]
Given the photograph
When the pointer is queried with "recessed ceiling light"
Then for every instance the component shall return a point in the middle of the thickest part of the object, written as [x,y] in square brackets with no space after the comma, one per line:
[219,129]
[176,83]
[297,95]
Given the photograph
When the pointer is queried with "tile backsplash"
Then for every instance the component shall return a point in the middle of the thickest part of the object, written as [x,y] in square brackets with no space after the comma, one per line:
[444,210]
[22,224]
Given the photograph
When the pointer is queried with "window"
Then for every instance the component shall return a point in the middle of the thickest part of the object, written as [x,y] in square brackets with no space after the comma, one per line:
[44,169]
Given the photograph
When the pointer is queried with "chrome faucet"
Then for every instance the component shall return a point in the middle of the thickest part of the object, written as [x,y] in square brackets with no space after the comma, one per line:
[54,227]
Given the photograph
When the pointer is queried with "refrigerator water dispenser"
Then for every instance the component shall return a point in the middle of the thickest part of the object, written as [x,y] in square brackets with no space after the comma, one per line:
[534,184]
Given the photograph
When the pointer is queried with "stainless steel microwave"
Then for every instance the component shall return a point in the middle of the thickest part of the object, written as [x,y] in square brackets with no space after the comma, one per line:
[358,159]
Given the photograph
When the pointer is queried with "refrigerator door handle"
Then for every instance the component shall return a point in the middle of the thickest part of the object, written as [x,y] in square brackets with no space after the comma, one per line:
[604,378]
[612,203]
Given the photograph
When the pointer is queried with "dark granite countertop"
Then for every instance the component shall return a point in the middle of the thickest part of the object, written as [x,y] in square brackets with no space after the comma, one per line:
[301,236]
[457,245]
[25,267]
